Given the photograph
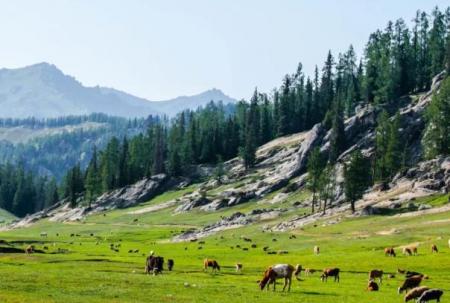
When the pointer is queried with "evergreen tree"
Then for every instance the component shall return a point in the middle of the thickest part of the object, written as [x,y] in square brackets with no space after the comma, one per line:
[93,183]
[327,185]
[337,139]
[436,140]
[315,165]
[357,178]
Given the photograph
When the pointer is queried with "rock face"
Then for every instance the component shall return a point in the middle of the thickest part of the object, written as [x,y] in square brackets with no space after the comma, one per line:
[131,195]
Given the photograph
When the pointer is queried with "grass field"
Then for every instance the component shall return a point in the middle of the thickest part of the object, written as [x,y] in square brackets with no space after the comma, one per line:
[91,272]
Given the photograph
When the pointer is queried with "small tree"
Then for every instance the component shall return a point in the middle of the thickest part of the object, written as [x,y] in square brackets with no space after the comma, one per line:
[315,167]
[219,171]
[327,185]
[357,177]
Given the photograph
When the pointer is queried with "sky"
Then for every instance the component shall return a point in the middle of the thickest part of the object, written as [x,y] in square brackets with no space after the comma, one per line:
[162,49]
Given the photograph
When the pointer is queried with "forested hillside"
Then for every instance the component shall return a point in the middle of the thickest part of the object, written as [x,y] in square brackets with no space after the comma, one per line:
[398,65]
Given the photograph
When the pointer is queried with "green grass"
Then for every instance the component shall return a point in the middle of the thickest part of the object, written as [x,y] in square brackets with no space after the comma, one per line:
[92,272]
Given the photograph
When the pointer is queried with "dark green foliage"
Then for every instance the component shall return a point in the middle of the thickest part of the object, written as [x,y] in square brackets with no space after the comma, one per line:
[357,178]
[316,164]
[337,139]
[389,151]
[436,140]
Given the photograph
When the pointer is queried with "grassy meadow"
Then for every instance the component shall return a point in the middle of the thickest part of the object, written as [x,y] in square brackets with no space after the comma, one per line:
[83,268]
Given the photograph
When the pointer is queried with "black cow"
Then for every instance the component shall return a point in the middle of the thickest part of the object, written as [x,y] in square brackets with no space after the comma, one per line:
[170,264]
[154,265]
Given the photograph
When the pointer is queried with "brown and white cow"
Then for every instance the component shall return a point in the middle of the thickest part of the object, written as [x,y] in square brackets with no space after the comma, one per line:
[29,249]
[211,263]
[238,267]
[434,248]
[375,273]
[279,271]
[389,251]
[316,250]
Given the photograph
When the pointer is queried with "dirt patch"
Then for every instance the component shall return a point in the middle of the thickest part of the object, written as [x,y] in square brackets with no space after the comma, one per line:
[388,232]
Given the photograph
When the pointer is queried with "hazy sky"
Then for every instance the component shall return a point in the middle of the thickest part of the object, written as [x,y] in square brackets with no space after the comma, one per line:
[162,49]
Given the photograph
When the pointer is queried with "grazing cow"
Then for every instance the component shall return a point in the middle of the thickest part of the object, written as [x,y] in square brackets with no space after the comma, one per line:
[410,283]
[407,251]
[29,249]
[154,265]
[434,248]
[170,264]
[409,274]
[279,271]
[309,271]
[413,249]
[238,267]
[415,293]
[389,251]
[43,234]
[211,263]
[373,274]
[330,272]
[372,286]
[316,250]
[431,294]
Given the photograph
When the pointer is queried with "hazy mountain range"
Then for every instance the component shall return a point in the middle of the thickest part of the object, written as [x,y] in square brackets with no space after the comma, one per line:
[44,91]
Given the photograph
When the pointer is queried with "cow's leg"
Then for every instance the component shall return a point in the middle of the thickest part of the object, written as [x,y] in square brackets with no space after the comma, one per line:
[274,284]
[289,285]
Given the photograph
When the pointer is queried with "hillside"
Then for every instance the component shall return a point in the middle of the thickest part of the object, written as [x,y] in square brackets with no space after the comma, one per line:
[43,91]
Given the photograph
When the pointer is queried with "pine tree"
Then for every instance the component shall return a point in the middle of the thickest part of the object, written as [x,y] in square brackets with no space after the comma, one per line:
[394,147]
[437,43]
[436,140]
[337,139]
[124,164]
[357,178]
[93,183]
[327,185]
[315,165]
[381,146]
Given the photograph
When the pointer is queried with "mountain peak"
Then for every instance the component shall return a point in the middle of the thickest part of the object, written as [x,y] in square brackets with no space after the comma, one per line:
[42,90]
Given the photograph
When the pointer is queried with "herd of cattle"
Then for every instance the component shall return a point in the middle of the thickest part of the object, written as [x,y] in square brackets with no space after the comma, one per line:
[411,284]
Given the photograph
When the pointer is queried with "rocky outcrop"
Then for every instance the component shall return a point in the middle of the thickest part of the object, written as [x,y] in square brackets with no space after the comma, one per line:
[236,220]
[131,195]
[128,196]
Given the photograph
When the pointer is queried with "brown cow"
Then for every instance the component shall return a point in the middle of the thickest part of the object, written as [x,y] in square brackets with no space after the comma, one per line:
[309,271]
[211,263]
[372,286]
[29,249]
[375,273]
[407,251]
[434,248]
[410,283]
[238,267]
[415,293]
[279,271]
[389,251]
[330,272]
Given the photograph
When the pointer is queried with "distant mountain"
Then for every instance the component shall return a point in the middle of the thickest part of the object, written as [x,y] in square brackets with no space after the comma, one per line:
[44,91]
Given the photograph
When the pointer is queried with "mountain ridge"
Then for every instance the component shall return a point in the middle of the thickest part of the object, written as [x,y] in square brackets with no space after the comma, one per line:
[42,90]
